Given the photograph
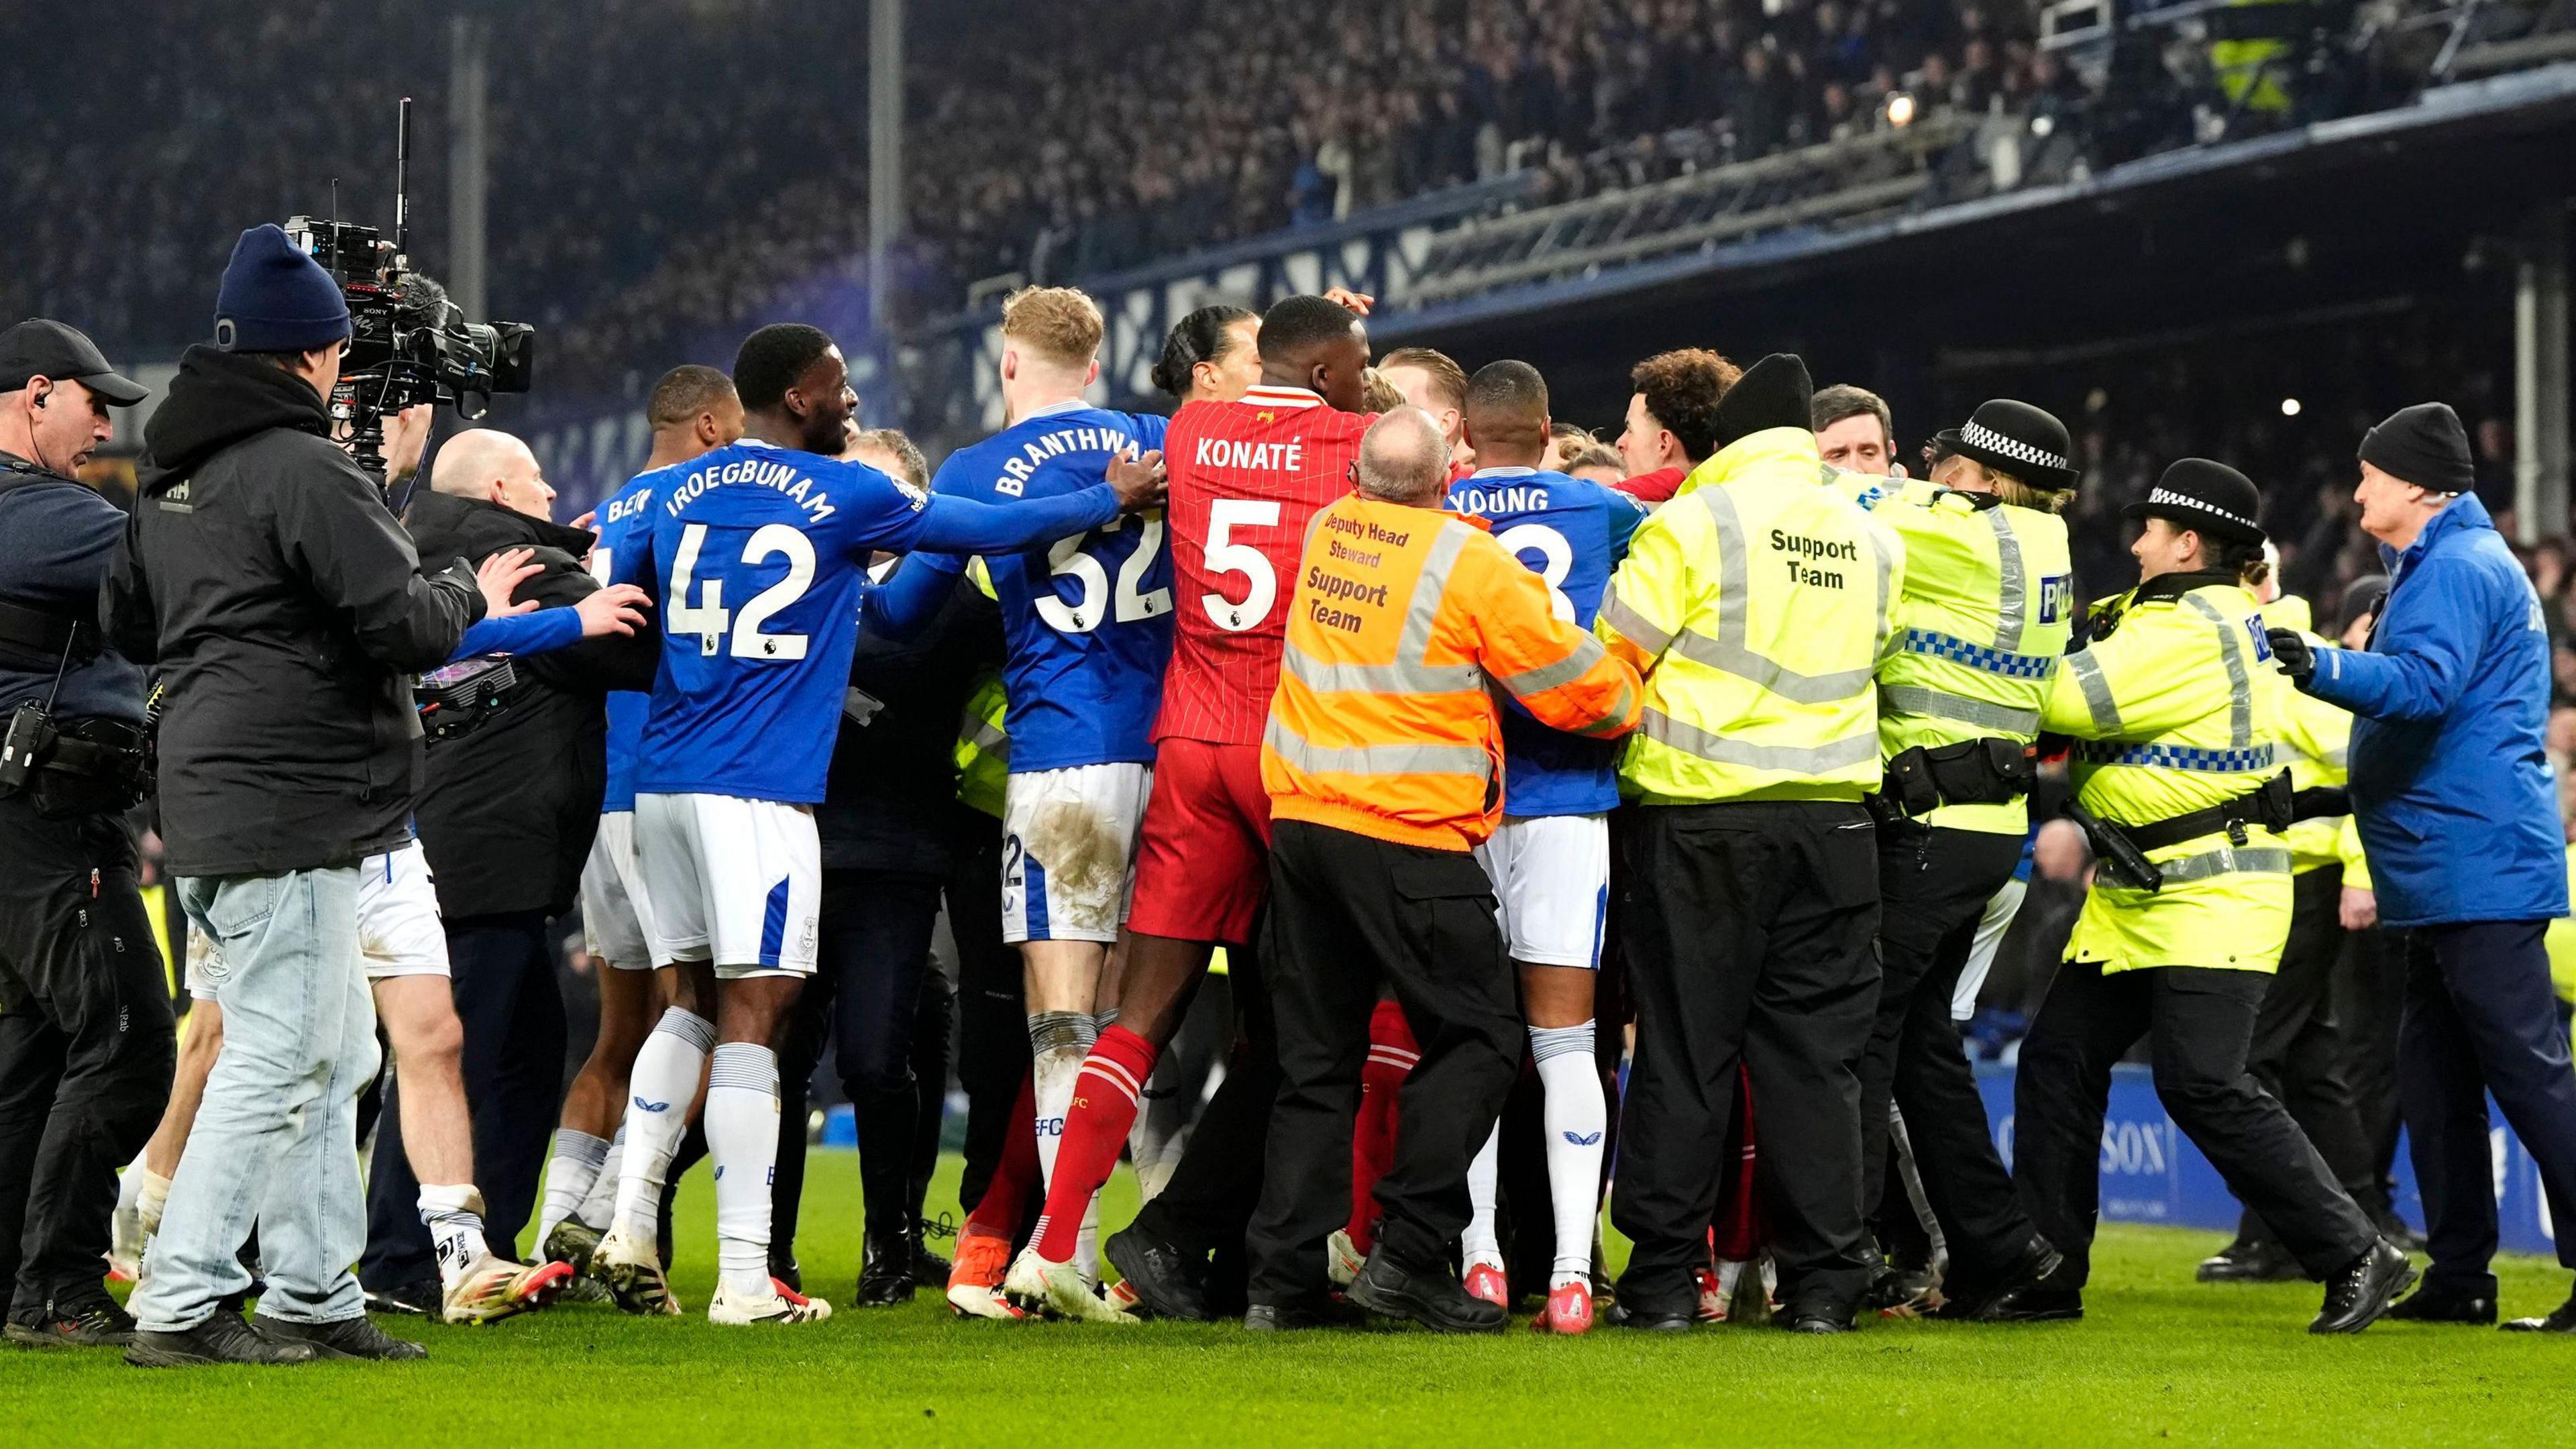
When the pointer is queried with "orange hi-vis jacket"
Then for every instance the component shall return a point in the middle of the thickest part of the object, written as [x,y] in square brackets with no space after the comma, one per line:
[1384,724]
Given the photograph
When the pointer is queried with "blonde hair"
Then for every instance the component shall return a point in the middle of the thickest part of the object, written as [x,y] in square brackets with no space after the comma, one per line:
[1058,324]
[2014,491]
[1379,395]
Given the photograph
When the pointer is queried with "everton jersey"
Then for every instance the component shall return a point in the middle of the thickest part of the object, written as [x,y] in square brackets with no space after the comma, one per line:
[1572,533]
[1088,619]
[756,561]
[624,534]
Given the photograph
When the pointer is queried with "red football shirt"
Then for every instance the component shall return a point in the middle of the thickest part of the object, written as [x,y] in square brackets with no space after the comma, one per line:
[1246,477]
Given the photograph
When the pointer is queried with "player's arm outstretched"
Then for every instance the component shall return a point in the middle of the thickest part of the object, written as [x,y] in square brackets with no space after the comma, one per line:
[903,606]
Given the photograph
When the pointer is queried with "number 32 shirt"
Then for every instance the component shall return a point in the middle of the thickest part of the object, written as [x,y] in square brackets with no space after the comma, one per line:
[758,554]
[1246,478]
[1088,620]
[1571,532]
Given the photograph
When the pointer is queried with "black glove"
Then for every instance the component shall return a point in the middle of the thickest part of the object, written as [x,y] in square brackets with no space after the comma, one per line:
[2290,651]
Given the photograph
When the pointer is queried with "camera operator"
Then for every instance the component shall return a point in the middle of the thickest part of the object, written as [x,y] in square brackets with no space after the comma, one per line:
[285,607]
[85,1028]
[506,818]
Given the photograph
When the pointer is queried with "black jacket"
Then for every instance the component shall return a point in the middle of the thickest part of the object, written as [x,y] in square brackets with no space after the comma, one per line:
[286,610]
[891,800]
[509,810]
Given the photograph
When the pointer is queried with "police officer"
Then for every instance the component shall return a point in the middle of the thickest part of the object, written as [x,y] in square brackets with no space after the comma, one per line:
[1984,616]
[2176,783]
[85,1026]
[1755,605]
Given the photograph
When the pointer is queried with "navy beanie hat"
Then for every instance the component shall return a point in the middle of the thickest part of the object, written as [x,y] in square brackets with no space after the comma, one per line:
[277,299]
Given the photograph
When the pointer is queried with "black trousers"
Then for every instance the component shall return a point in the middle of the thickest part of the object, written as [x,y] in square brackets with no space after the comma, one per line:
[864,1001]
[512,1011]
[2199,1022]
[1933,886]
[1215,1188]
[86,1047]
[1348,912]
[992,1011]
[1748,930]
[2481,1018]
[2371,1001]
[2300,1053]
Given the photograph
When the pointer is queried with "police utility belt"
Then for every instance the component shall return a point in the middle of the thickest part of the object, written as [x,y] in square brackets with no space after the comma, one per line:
[1970,772]
[75,767]
[2273,805]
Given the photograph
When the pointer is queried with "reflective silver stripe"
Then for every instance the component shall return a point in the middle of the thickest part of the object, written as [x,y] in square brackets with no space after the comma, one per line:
[1821,759]
[1315,759]
[1728,653]
[1564,671]
[985,735]
[1939,704]
[1409,674]
[1608,724]
[2012,598]
[1632,625]
[2097,692]
[2258,860]
[2339,758]
[2240,704]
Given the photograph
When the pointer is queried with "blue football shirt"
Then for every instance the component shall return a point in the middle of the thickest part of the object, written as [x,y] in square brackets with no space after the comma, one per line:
[757,557]
[625,535]
[1571,532]
[1087,620]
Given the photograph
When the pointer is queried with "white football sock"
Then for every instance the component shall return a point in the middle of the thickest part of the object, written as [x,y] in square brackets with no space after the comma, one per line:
[742,1141]
[571,1173]
[667,1069]
[1058,1042]
[1576,1118]
[1480,1244]
[151,1195]
[454,1215]
[599,1209]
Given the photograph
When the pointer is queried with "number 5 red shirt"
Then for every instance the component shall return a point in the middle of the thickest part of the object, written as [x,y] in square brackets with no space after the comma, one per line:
[1246,479]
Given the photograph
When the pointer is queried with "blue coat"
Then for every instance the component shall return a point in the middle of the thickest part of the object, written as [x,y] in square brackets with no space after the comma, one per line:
[2449,785]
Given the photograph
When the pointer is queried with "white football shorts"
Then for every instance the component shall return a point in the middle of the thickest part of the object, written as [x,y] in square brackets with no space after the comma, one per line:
[399,933]
[616,909]
[1551,876]
[1069,850]
[733,881]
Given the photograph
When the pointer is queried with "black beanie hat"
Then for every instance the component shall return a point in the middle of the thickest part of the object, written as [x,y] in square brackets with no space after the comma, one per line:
[1773,393]
[2423,445]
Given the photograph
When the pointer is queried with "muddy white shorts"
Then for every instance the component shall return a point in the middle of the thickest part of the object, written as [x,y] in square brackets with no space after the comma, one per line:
[399,933]
[1551,876]
[1069,850]
[733,881]
[616,909]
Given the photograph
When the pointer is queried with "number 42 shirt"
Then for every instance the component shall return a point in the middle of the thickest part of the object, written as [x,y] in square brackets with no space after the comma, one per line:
[1246,479]
[1087,621]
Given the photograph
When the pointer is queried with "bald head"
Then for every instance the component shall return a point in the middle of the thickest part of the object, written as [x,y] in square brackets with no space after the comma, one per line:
[1404,458]
[491,466]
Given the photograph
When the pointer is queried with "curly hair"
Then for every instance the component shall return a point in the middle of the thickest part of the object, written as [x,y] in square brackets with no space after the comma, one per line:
[1682,389]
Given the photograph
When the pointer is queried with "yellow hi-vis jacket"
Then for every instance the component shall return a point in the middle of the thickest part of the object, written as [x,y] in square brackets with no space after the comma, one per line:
[2314,738]
[1384,724]
[1986,612]
[1755,605]
[2173,714]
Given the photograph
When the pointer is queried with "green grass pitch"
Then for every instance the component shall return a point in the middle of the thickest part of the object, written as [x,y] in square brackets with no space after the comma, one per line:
[2161,1360]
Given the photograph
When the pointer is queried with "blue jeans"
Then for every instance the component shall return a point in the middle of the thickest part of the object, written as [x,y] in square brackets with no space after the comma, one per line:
[275,1141]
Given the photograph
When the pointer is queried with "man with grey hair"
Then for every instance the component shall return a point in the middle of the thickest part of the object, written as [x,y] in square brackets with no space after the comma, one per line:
[1381,760]
[1404,458]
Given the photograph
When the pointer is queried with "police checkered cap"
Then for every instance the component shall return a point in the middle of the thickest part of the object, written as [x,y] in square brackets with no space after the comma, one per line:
[2015,448]
[2198,493]
[2014,437]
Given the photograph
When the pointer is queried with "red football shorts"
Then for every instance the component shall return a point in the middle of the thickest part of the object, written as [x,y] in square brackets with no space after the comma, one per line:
[1205,862]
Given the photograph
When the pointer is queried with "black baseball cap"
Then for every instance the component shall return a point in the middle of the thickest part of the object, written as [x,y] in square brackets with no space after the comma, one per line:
[41,347]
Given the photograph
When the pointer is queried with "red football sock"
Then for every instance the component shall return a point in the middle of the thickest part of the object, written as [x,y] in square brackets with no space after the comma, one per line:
[1392,1054]
[1104,1107]
[1016,1175]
